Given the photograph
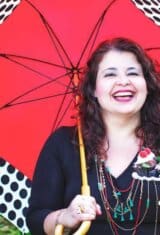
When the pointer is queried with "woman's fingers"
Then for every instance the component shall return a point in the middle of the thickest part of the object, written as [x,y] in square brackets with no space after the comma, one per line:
[80,209]
[86,205]
[99,212]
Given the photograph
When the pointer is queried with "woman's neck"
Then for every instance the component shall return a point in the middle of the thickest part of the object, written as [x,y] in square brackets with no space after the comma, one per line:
[120,129]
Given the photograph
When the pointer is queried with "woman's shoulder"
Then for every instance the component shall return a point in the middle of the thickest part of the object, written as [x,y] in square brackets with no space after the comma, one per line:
[59,140]
[63,133]
[64,130]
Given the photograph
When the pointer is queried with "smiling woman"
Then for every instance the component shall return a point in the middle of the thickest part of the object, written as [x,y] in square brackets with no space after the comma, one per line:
[119,103]
[120,84]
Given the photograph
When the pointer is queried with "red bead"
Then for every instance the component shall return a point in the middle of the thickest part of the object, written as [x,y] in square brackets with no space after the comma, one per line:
[143,153]
[147,150]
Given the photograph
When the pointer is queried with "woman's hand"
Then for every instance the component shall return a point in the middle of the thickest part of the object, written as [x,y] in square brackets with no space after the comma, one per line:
[80,209]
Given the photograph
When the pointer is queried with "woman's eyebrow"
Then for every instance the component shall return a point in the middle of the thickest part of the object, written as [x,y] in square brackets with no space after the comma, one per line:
[133,68]
[109,69]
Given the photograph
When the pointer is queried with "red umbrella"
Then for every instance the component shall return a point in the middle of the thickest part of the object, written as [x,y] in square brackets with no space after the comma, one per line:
[42,46]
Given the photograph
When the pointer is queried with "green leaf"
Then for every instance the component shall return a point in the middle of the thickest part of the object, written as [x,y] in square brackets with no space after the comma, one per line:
[146,165]
[158,158]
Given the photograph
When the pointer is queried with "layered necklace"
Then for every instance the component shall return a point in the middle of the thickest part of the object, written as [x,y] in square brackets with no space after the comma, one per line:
[124,201]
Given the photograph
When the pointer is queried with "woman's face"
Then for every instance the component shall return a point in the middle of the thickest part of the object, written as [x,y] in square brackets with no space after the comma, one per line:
[120,86]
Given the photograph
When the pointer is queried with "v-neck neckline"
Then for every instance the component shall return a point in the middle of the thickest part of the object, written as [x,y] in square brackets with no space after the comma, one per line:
[127,170]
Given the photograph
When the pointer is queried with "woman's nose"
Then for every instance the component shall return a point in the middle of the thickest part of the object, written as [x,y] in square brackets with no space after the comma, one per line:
[123,80]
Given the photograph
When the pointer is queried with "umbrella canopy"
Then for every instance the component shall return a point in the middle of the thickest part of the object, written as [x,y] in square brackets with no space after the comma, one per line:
[43,45]
[43,48]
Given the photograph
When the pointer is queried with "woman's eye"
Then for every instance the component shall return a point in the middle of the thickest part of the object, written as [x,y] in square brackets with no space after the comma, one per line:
[109,75]
[133,74]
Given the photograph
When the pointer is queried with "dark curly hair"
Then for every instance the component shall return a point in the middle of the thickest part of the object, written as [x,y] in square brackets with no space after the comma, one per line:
[93,128]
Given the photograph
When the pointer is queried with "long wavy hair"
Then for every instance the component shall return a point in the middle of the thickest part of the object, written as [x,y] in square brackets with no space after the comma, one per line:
[93,128]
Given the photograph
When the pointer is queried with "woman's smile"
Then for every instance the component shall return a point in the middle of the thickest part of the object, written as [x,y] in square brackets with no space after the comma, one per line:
[125,95]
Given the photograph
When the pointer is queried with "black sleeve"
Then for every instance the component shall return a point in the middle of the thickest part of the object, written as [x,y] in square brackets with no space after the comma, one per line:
[47,186]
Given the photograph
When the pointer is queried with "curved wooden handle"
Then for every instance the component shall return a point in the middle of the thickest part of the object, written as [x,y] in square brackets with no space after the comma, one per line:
[85,189]
[83,229]
[59,229]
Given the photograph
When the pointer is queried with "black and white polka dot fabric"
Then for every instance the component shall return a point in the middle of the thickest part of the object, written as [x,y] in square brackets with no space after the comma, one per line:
[151,8]
[15,190]
[6,8]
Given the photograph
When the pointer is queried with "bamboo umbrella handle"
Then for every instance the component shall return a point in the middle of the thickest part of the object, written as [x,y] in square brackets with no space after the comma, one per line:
[85,189]
[82,230]
[59,229]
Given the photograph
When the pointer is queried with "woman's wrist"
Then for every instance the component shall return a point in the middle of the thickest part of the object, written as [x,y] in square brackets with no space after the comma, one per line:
[59,220]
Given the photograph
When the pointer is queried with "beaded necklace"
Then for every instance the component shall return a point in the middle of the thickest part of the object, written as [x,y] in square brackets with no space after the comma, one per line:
[123,209]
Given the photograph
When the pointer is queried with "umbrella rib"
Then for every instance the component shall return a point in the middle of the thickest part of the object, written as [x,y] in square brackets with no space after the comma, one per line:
[52,36]
[56,124]
[7,56]
[98,25]
[32,90]
[152,48]
[61,104]
[96,35]
[96,28]
[46,25]
[28,68]
[50,78]
[33,100]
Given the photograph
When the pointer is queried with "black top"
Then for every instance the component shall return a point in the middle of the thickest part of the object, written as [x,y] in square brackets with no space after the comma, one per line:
[57,179]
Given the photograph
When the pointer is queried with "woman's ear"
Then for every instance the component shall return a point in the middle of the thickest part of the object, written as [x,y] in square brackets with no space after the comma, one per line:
[95,99]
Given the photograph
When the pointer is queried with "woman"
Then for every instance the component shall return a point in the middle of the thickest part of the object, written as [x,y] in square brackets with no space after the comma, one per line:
[119,113]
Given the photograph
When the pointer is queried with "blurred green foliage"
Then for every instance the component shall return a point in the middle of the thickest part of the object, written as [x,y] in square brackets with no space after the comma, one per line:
[6,228]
